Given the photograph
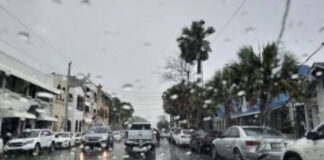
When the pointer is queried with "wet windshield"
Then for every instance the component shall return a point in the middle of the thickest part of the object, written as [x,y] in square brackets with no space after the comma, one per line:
[256,132]
[123,73]
[97,130]
[29,134]
[62,135]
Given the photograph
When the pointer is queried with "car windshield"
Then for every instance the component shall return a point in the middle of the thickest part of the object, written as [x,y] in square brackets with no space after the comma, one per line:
[140,127]
[97,130]
[62,135]
[187,132]
[265,132]
[29,134]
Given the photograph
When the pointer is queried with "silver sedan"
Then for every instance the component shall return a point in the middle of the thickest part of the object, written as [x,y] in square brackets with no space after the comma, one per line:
[249,142]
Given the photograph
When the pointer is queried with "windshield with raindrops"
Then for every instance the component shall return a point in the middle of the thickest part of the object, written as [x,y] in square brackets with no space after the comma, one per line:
[161,79]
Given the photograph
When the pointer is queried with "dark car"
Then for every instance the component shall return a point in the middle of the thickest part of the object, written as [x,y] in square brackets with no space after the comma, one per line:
[202,140]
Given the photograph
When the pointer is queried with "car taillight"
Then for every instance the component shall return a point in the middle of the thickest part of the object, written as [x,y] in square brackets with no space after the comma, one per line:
[252,143]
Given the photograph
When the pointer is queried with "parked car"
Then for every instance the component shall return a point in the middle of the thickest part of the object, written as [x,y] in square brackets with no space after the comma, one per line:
[33,140]
[184,137]
[174,132]
[202,140]
[310,147]
[77,138]
[117,136]
[140,139]
[99,136]
[165,134]
[63,140]
[249,143]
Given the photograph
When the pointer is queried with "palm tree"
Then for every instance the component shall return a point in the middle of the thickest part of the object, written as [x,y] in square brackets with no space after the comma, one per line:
[222,89]
[193,44]
[266,75]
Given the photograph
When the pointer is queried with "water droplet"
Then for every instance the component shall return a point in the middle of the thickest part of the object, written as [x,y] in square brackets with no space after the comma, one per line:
[125,156]
[300,23]
[321,30]
[207,118]
[162,154]
[244,14]
[210,88]
[57,1]
[85,3]
[188,153]
[176,117]
[127,87]
[249,30]
[24,36]
[319,73]
[305,55]
[226,40]
[147,44]
[208,101]
[173,97]
[295,76]
[192,91]
[224,82]
[126,107]
[241,93]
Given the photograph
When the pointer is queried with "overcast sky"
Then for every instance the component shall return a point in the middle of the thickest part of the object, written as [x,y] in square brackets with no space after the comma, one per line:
[128,41]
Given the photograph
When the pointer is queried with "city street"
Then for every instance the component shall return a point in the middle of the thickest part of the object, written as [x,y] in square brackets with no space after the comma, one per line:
[166,151]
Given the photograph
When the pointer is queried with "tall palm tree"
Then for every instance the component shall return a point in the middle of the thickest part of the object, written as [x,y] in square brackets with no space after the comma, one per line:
[266,75]
[193,44]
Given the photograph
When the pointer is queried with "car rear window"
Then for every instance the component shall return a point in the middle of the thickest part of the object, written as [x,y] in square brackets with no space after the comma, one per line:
[140,127]
[265,132]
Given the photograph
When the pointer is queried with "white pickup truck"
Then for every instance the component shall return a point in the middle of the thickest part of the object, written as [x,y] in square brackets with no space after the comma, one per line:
[140,138]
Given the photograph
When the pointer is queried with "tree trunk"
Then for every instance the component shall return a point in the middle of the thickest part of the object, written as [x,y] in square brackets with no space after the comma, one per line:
[228,120]
[263,111]
[199,70]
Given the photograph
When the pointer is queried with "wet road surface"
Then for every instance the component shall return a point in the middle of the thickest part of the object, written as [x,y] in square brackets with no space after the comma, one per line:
[165,151]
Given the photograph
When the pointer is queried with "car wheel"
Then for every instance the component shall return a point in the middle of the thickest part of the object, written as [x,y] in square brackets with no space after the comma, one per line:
[293,157]
[36,150]
[214,153]
[52,147]
[237,155]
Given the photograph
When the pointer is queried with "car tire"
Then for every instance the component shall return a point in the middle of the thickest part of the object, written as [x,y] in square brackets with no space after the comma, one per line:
[214,153]
[292,157]
[237,155]
[36,150]
[52,147]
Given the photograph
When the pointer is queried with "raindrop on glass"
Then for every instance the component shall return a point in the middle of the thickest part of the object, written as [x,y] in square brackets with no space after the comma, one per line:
[208,101]
[249,30]
[188,153]
[321,30]
[226,40]
[173,97]
[147,44]
[241,93]
[319,73]
[207,118]
[24,36]
[295,76]
[57,1]
[127,87]
[85,3]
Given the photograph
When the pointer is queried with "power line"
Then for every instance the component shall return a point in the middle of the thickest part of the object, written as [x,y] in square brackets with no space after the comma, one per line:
[316,51]
[229,20]
[28,55]
[284,20]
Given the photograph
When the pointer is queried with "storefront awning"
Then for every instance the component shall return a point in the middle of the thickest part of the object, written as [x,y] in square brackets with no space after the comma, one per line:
[17,114]
[47,118]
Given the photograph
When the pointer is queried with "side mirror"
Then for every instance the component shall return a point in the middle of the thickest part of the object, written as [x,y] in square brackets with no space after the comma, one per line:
[312,135]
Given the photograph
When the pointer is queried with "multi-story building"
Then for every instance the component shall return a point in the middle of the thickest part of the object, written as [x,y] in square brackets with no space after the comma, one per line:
[26,97]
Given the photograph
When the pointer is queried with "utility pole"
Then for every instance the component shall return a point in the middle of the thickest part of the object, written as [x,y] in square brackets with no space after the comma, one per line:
[67,97]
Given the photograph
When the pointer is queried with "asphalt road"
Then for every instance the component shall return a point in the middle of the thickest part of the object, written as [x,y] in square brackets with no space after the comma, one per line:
[165,151]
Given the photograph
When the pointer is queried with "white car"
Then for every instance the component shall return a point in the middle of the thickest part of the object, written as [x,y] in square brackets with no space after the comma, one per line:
[310,147]
[32,140]
[117,136]
[184,137]
[77,138]
[63,140]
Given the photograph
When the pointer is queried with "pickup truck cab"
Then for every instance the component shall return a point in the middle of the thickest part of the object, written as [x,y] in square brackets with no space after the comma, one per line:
[99,136]
[140,138]
[32,140]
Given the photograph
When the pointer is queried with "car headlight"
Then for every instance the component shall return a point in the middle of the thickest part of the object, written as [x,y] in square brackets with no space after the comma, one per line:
[29,142]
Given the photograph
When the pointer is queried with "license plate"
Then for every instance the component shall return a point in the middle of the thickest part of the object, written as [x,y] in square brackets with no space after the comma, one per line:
[275,145]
